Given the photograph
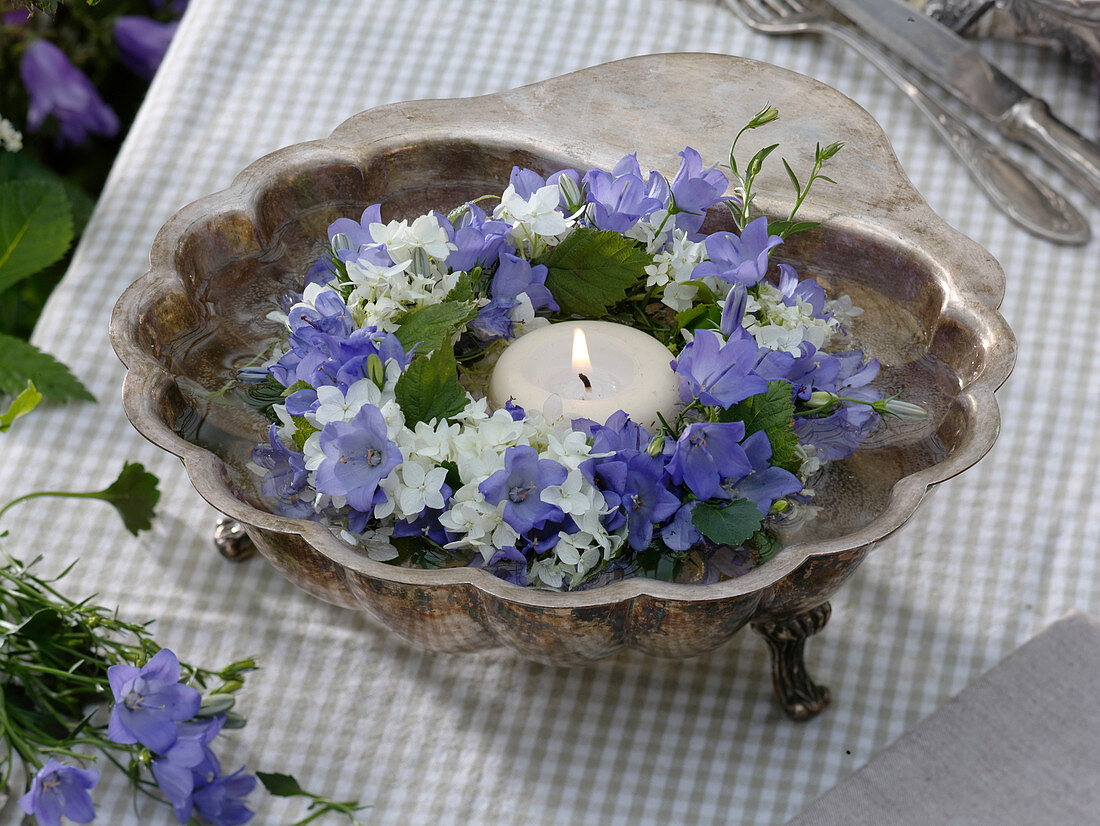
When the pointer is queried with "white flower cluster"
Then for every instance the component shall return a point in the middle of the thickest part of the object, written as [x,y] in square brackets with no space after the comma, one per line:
[778,325]
[11,139]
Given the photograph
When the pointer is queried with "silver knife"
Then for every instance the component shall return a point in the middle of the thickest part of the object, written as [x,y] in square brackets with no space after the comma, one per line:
[960,68]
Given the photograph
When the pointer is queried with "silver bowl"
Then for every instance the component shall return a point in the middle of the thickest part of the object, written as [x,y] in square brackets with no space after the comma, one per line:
[930,297]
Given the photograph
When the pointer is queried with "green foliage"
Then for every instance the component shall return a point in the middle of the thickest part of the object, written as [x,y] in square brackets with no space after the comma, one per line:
[303,429]
[285,785]
[771,412]
[727,524]
[429,389]
[134,495]
[21,361]
[36,228]
[434,326]
[23,404]
[591,271]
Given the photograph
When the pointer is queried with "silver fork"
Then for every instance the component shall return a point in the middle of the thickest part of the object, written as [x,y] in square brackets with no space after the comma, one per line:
[1015,191]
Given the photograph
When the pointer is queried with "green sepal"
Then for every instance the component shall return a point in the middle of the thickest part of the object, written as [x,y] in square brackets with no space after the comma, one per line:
[727,524]
[429,389]
[592,270]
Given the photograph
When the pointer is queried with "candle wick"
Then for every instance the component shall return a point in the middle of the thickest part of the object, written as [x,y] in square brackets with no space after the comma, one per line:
[584,380]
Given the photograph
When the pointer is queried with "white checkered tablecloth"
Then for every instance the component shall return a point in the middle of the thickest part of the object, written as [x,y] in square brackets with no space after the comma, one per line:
[491,739]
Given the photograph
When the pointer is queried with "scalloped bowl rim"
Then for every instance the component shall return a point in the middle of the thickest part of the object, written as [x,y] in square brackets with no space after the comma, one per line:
[145,374]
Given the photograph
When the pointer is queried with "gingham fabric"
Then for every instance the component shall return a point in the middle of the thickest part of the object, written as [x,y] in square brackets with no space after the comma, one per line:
[425,738]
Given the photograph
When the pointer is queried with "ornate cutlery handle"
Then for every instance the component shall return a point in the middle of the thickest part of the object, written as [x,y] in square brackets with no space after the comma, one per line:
[1031,122]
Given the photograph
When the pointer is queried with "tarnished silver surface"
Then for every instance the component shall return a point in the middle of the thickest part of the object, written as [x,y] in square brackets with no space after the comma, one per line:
[929,293]
[1022,196]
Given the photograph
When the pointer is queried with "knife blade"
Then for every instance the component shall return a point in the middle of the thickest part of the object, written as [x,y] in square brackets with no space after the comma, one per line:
[958,66]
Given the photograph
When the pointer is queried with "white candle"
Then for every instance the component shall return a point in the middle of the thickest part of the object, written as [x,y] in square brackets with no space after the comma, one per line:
[594,367]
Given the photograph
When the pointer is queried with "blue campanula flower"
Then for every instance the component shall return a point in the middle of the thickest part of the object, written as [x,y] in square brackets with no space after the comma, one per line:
[479,240]
[515,277]
[681,534]
[807,292]
[634,488]
[357,456]
[619,435]
[733,311]
[219,800]
[526,182]
[59,790]
[763,484]
[695,191]
[56,87]
[618,199]
[739,258]
[190,760]
[286,475]
[351,240]
[142,42]
[520,484]
[494,320]
[149,702]
[838,434]
[705,453]
[719,373]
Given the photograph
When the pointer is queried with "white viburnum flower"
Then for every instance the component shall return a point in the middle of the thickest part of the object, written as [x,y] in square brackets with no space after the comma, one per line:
[679,295]
[547,572]
[10,137]
[539,214]
[335,406]
[400,239]
[479,525]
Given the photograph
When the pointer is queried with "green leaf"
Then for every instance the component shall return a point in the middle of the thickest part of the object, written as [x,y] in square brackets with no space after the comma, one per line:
[280,785]
[591,271]
[772,412]
[730,524]
[793,177]
[36,227]
[765,544]
[464,291]
[21,362]
[303,429]
[429,389]
[134,494]
[800,226]
[432,327]
[19,166]
[24,403]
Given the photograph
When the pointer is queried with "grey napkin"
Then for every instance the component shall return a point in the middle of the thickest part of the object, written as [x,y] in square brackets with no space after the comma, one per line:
[1020,745]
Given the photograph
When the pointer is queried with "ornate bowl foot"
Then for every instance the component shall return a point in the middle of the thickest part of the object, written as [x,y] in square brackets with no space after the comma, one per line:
[231,540]
[800,696]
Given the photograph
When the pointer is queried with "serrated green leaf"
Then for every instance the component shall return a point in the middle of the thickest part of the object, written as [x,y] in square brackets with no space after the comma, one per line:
[280,785]
[429,389]
[36,228]
[591,271]
[463,291]
[432,327]
[730,524]
[21,361]
[134,495]
[303,429]
[772,412]
[24,403]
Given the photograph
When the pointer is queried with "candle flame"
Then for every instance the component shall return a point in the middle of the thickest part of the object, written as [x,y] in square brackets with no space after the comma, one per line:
[581,363]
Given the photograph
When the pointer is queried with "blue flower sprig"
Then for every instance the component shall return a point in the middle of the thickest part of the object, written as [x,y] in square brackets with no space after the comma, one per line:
[380,428]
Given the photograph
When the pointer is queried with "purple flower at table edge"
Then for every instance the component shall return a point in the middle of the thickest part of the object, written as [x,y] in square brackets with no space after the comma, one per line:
[59,790]
[520,484]
[142,42]
[189,758]
[56,87]
[357,456]
[149,702]
[707,452]
[219,800]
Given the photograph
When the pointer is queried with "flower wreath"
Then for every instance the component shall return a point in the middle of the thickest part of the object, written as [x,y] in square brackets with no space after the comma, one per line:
[380,425]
